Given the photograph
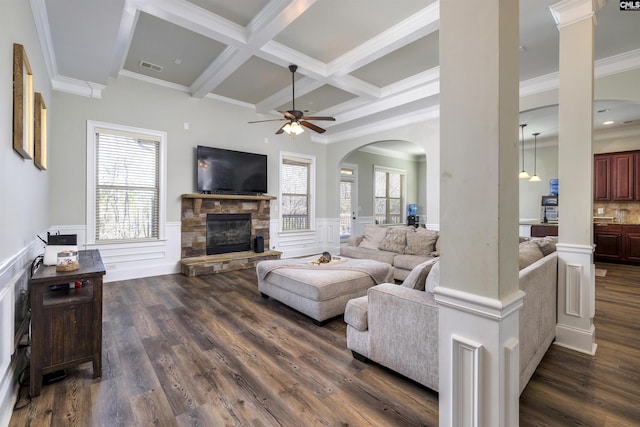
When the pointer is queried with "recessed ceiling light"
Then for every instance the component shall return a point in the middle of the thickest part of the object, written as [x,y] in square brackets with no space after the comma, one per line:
[608,122]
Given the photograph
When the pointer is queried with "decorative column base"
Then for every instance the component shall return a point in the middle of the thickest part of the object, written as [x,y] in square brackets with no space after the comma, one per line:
[479,358]
[576,298]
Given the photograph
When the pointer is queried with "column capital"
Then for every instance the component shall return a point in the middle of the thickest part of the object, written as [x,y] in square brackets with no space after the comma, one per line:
[567,12]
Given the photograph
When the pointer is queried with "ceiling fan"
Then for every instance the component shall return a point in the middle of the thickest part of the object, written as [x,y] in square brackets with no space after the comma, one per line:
[296,118]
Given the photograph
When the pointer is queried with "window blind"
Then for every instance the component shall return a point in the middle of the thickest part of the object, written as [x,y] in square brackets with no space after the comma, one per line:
[127,186]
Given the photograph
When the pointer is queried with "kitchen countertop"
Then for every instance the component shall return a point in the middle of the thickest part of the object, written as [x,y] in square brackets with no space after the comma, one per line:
[538,222]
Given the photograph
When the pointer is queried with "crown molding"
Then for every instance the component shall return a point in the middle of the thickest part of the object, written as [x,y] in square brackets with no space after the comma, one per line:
[77,87]
[403,120]
[568,12]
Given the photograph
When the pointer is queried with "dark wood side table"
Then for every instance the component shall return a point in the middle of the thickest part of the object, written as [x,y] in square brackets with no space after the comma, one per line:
[66,324]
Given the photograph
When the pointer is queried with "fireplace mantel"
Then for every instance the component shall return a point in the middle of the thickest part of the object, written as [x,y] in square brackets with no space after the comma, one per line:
[198,198]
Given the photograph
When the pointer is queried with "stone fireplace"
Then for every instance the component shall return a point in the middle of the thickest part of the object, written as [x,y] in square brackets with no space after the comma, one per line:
[195,212]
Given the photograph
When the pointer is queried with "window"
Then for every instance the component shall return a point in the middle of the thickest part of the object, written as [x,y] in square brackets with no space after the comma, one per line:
[389,195]
[125,185]
[296,192]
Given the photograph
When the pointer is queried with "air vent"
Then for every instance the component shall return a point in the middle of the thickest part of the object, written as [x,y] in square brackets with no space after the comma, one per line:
[150,66]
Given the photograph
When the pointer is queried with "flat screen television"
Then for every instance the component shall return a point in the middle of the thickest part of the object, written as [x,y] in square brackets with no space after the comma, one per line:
[223,171]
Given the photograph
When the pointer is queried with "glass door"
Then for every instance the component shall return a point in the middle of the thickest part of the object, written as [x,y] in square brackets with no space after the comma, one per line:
[348,201]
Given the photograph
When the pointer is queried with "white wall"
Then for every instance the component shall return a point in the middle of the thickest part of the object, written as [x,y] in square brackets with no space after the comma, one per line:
[24,191]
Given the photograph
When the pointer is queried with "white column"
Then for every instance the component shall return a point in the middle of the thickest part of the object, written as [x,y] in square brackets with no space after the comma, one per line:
[576,281]
[478,294]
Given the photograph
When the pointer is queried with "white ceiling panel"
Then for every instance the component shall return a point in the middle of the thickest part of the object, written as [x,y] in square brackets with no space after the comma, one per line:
[400,64]
[365,62]
[183,54]
[331,28]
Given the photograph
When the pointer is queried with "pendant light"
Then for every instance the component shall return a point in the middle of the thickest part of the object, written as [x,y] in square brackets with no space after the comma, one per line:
[523,174]
[535,177]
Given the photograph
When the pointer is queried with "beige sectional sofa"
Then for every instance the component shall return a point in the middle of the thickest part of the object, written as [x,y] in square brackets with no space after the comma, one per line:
[397,325]
[403,247]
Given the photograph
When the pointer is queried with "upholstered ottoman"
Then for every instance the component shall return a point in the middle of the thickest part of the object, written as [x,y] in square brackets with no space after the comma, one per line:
[319,291]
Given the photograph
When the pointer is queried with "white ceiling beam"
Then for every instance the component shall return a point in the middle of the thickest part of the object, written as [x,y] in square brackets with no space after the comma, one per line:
[272,19]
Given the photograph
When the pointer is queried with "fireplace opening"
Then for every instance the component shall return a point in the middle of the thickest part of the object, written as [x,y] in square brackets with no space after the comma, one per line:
[228,233]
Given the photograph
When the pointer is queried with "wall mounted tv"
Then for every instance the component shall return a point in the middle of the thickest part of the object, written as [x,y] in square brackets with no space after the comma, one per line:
[231,172]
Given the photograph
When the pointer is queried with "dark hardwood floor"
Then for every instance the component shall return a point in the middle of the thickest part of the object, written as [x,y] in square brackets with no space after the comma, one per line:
[209,351]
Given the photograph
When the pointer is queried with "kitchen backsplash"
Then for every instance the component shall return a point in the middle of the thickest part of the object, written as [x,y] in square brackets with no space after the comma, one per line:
[631,210]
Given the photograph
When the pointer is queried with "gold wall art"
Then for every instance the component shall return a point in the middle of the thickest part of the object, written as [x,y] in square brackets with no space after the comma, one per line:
[22,103]
[40,132]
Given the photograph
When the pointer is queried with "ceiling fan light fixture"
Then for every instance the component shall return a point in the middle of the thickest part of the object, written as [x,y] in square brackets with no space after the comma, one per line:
[293,128]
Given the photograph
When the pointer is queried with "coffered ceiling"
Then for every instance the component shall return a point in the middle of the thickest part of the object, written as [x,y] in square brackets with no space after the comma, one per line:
[368,63]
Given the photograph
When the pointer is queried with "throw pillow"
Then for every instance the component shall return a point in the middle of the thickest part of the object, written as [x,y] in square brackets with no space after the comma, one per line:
[373,235]
[436,252]
[433,278]
[529,252]
[418,275]
[394,241]
[422,242]
[546,244]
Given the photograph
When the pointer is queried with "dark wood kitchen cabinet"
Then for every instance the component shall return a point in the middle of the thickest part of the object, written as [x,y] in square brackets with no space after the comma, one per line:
[602,177]
[617,242]
[623,178]
[66,323]
[616,176]
[608,240]
[631,242]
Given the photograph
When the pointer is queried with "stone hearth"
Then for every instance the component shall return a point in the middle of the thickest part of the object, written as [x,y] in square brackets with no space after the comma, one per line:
[195,208]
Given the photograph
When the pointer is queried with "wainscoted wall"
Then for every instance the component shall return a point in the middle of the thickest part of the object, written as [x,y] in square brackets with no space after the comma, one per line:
[14,277]
[325,237]
[125,261]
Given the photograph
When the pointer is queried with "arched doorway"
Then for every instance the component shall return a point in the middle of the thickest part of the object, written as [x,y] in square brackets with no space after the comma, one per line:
[377,183]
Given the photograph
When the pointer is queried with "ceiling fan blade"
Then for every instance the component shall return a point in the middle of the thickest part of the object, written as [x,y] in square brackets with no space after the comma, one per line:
[281,130]
[312,126]
[332,119]
[288,115]
[270,120]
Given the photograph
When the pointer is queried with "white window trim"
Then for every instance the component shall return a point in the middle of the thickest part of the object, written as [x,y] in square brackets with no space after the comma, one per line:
[92,125]
[312,190]
[378,168]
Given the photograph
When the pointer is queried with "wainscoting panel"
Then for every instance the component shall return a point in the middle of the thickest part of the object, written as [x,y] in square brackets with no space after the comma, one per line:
[125,261]
[466,381]
[573,290]
[512,380]
[14,278]
[325,237]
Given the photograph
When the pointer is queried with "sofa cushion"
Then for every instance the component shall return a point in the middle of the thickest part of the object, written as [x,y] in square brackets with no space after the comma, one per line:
[529,252]
[355,314]
[373,236]
[433,278]
[422,242]
[409,262]
[365,253]
[416,279]
[394,241]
